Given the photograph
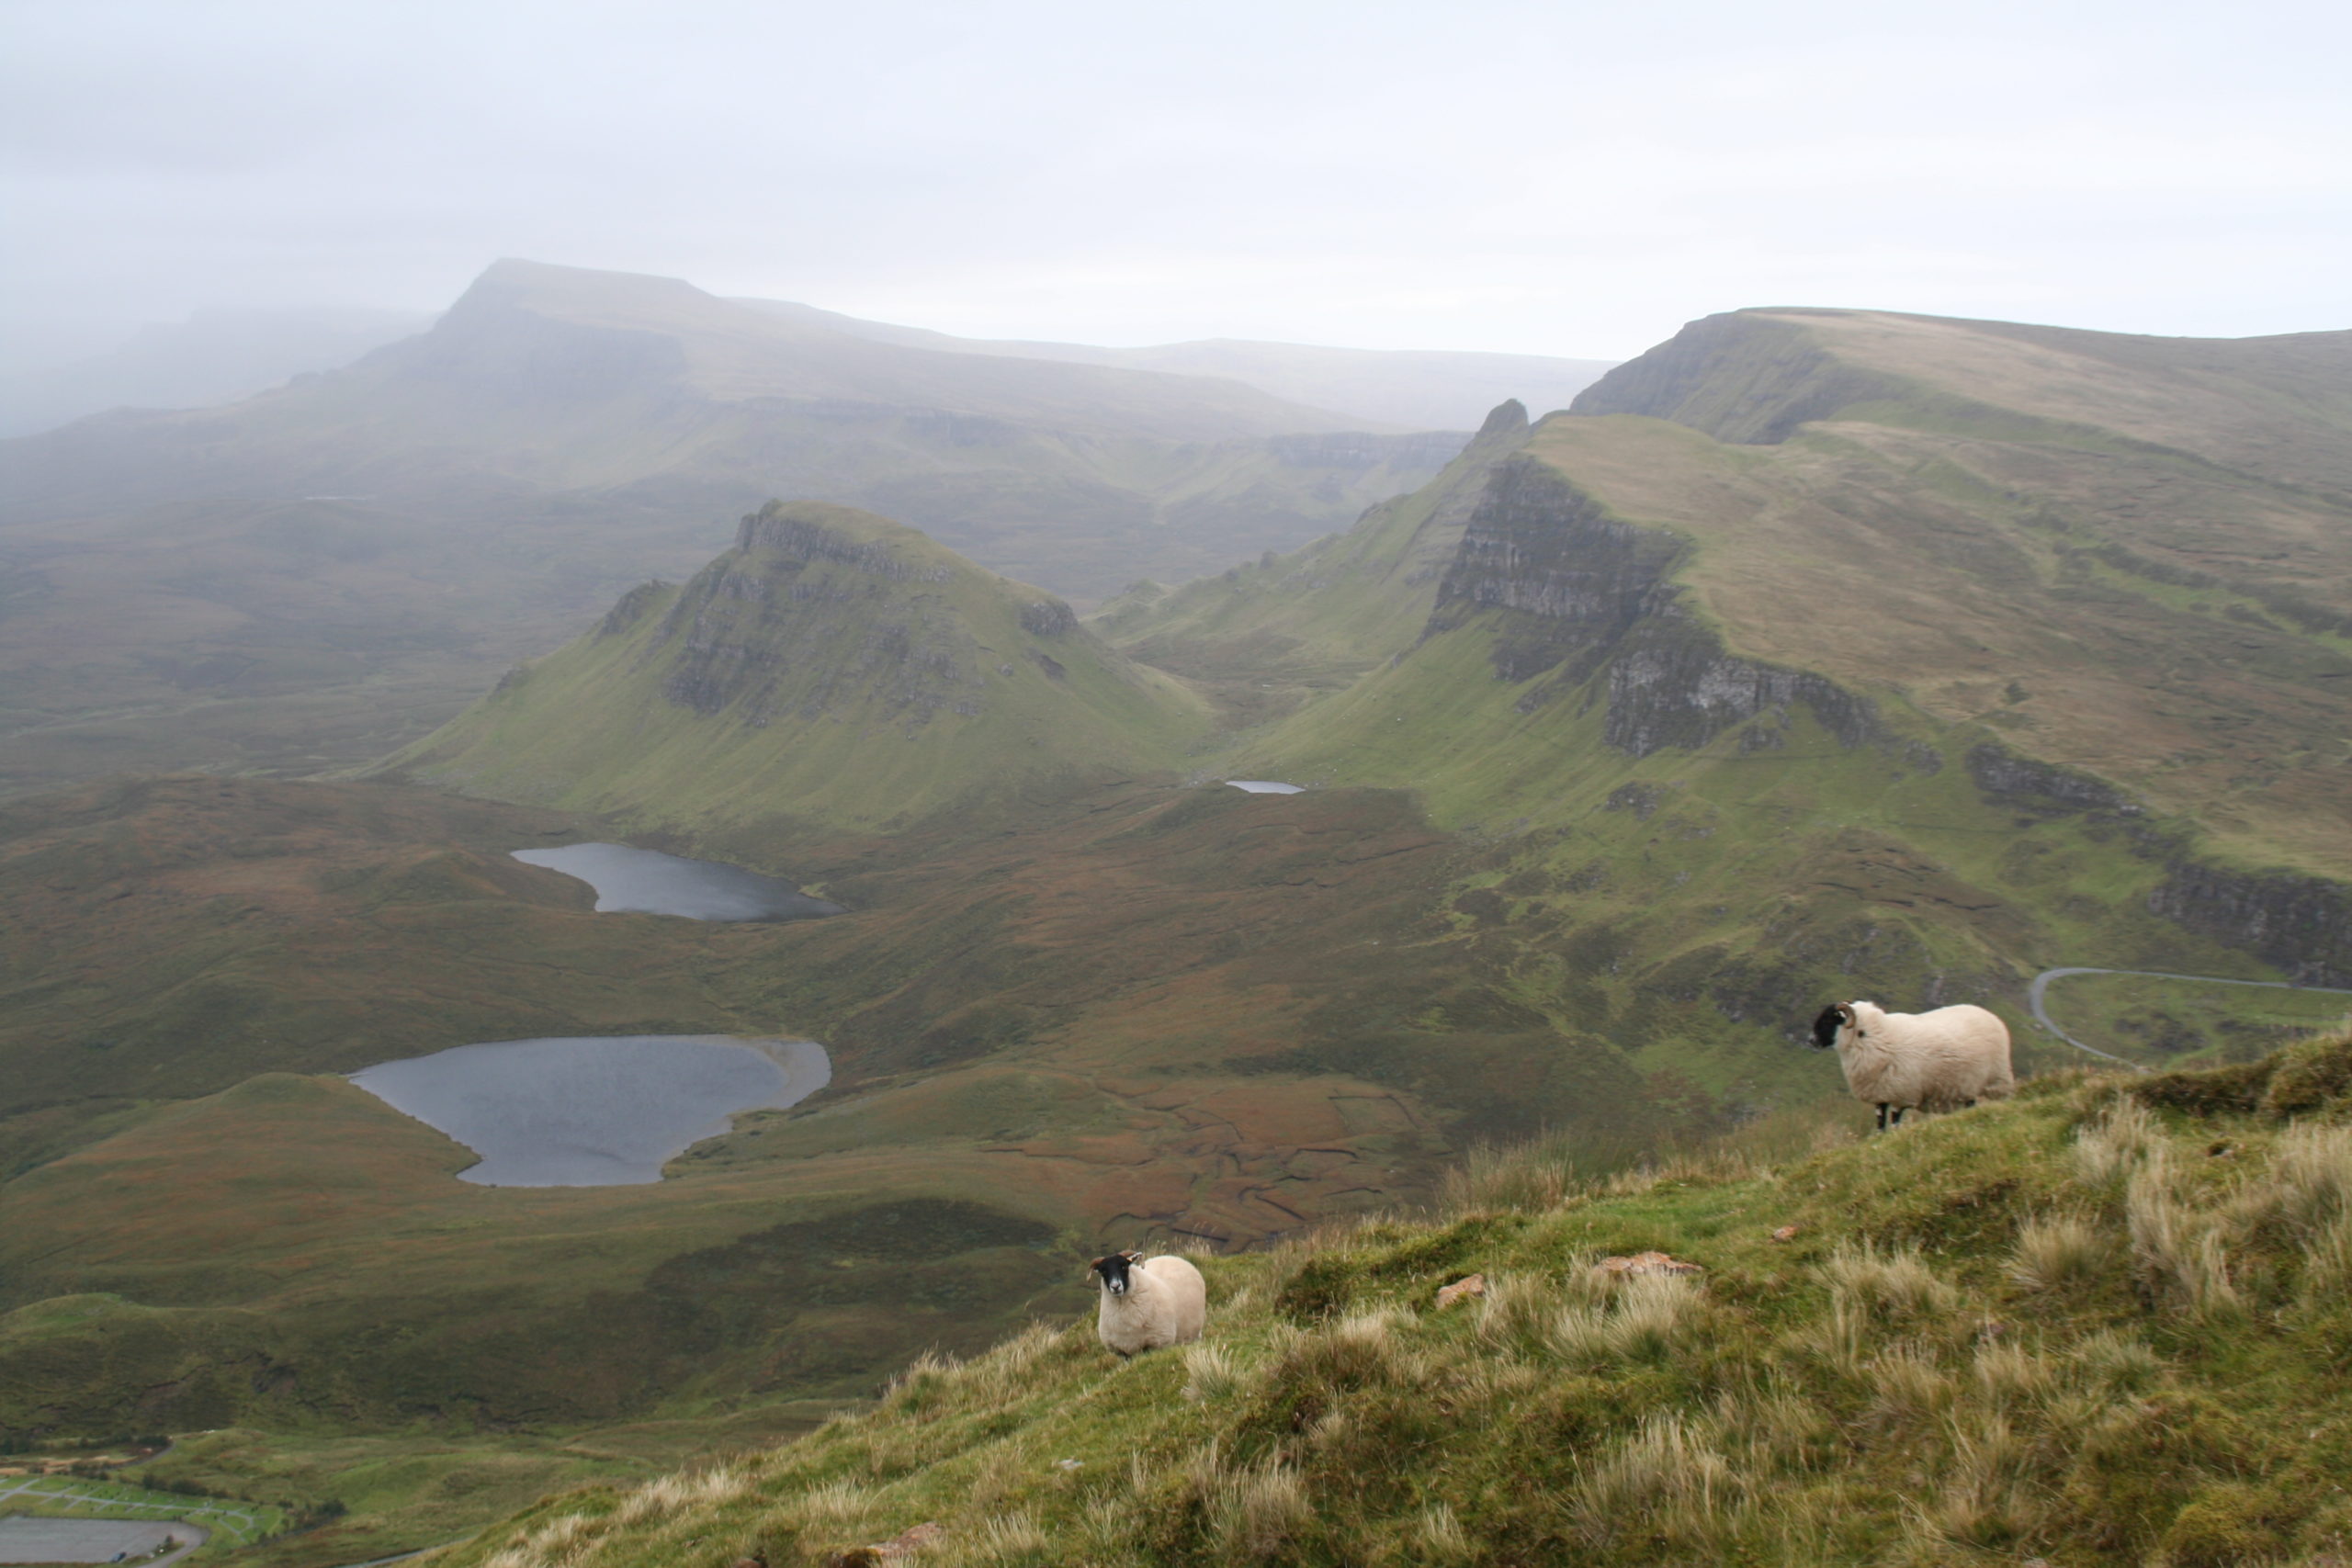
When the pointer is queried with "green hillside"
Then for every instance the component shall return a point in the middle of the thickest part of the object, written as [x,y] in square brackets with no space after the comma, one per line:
[2101,1323]
[1874,686]
[835,669]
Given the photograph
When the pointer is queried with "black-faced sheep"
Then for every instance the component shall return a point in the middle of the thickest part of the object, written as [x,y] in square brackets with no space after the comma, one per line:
[1149,1302]
[1942,1060]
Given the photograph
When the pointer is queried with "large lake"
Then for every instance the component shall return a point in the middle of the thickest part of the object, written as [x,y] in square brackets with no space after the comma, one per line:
[1266,786]
[605,1110]
[648,882]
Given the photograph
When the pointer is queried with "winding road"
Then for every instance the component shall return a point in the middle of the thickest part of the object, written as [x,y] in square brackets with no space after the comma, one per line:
[2041,1015]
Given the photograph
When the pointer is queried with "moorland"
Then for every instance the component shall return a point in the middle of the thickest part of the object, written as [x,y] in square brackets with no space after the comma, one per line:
[1813,654]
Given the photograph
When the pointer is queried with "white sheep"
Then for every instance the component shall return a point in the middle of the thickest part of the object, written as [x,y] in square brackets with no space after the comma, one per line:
[1942,1060]
[1150,1303]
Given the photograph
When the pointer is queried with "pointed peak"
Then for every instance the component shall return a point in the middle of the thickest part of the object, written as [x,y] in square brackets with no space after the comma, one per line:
[1509,418]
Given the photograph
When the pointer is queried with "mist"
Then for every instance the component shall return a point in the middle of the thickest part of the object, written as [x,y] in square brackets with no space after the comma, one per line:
[1527,178]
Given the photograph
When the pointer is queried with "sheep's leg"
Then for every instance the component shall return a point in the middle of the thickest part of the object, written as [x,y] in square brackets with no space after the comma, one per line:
[1898,1114]
[1882,1117]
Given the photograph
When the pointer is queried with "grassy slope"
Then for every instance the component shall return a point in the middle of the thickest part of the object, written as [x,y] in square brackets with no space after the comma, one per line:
[2163,1022]
[2016,583]
[855,694]
[2102,1323]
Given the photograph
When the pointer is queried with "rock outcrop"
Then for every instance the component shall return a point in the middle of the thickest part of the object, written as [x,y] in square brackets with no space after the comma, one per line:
[2302,924]
[1583,592]
[2042,786]
[835,668]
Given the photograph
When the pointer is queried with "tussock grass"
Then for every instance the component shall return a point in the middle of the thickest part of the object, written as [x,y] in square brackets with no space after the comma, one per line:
[1668,1481]
[2056,1250]
[2071,1326]
[1209,1373]
[1895,1286]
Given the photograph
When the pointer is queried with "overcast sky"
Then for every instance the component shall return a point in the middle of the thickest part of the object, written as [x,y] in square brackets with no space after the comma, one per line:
[1569,178]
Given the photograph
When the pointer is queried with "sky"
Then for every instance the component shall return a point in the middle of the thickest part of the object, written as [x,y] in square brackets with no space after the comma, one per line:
[1567,178]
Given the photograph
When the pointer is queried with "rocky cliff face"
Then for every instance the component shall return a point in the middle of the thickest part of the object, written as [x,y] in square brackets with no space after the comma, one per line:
[1582,591]
[2042,786]
[630,608]
[801,618]
[2302,924]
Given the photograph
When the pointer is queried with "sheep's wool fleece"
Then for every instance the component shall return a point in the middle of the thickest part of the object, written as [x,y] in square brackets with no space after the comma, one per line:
[1936,1061]
[1167,1303]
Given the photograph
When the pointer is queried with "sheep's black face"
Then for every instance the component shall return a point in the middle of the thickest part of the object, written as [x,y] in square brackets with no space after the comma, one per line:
[1113,1270]
[1824,1028]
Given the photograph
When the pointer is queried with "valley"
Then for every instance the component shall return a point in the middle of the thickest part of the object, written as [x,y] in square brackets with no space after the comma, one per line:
[1814,654]
[319,574]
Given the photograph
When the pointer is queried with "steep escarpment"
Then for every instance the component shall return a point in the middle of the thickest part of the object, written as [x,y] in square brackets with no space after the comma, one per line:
[1581,590]
[1264,637]
[834,668]
[2301,924]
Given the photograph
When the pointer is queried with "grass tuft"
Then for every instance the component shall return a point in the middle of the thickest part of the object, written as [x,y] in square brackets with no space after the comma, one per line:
[2054,1251]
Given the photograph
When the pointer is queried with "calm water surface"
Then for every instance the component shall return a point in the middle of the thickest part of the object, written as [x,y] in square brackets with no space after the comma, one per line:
[1266,786]
[29,1539]
[649,881]
[605,1110]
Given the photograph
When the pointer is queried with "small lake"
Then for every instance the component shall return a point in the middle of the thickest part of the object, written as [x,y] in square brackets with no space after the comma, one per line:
[648,882]
[1266,786]
[30,1538]
[600,1111]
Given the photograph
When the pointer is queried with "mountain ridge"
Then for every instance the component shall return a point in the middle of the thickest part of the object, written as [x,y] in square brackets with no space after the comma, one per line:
[362,541]
[1421,388]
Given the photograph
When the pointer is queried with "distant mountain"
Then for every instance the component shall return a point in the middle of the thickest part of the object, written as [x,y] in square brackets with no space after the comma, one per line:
[214,356]
[327,568]
[1417,388]
[834,668]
